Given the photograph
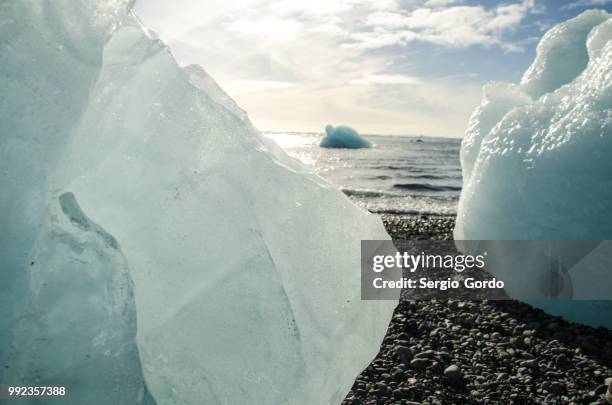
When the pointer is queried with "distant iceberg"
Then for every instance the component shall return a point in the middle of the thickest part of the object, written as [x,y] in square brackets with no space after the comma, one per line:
[343,137]
[536,160]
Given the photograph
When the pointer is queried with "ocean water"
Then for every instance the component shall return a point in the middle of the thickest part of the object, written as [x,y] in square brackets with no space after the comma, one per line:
[401,175]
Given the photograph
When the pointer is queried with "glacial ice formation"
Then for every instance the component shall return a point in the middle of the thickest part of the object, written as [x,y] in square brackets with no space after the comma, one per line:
[343,137]
[246,280]
[536,157]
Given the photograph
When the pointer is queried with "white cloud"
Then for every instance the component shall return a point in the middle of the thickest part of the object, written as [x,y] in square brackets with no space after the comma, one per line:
[267,27]
[439,3]
[311,7]
[296,65]
[509,16]
[327,7]
[385,79]
[455,26]
[587,3]
[379,38]
[370,108]
[237,87]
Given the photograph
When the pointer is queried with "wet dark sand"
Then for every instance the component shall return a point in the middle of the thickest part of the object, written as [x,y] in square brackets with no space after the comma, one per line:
[481,352]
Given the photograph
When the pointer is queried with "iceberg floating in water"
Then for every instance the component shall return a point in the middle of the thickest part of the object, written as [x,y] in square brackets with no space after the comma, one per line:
[536,157]
[343,137]
[246,280]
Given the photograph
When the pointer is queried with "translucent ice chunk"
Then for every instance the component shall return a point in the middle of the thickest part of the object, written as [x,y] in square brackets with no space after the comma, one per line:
[246,266]
[202,80]
[51,54]
[78,326]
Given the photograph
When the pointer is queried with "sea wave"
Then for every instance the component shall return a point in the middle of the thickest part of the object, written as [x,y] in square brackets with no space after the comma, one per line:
[365,193]
[412,169]
[425,187]
[394,211]
[430,177]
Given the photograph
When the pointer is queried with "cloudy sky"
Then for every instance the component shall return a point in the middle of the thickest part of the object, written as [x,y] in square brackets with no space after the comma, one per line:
[381,66]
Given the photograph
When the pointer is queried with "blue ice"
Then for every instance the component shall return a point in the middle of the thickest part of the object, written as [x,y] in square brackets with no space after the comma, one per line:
[343,137]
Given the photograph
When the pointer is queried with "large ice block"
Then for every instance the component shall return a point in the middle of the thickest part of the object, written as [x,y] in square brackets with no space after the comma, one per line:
[536,156]
[51,54]
[246,265]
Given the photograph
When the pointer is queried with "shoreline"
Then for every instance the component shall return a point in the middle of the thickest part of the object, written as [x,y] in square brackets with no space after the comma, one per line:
[480,352]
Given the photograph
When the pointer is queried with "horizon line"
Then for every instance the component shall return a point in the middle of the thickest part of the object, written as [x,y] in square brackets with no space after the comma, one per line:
[364,134]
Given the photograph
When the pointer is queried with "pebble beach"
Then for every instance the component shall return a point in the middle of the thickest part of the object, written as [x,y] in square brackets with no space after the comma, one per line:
[481,352]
